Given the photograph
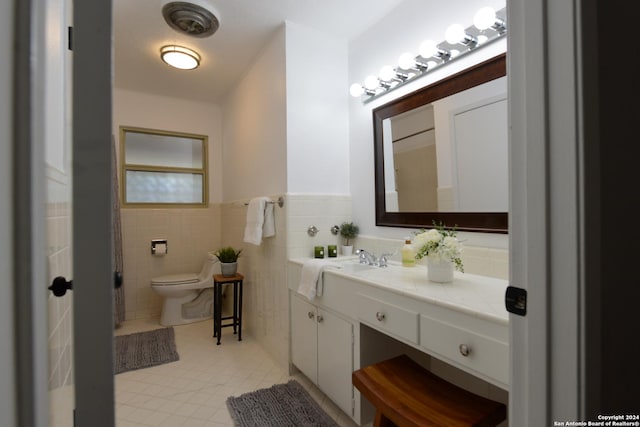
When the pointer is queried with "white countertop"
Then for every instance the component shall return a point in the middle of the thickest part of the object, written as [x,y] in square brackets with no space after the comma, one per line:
[478,296]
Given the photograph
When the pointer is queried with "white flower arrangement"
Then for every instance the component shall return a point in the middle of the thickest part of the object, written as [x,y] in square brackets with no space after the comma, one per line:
[439,244]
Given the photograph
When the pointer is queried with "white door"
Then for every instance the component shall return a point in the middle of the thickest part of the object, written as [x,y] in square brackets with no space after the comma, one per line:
[335,359]
[62,215]
[304,343]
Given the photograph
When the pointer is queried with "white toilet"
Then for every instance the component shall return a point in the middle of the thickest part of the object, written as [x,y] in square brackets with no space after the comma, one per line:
[180,290]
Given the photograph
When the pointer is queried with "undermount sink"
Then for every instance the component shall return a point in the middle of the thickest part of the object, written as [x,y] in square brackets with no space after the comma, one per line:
[354,266]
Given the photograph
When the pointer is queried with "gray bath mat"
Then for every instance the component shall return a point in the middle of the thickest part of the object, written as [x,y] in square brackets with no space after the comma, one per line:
[144,349]
[278,406]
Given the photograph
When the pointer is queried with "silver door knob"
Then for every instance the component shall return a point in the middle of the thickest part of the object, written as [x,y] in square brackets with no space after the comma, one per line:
[380,316]
[464,350]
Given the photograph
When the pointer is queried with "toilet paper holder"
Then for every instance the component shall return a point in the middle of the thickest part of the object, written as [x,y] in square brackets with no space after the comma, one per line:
[157,244]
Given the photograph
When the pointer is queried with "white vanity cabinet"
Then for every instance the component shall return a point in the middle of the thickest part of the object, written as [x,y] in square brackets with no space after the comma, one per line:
[463,324]
[322,348]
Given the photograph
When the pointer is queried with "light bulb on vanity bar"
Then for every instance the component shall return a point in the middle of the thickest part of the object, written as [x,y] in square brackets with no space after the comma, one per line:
[486,18]
[356,90]
[371,82]
[430,49]
[456,34]
[387,73]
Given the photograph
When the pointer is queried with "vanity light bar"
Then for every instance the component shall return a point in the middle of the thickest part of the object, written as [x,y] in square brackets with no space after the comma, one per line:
[488,26]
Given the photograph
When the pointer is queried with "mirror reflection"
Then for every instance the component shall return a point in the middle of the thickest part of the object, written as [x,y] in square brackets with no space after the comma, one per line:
[449,155]
[441,153]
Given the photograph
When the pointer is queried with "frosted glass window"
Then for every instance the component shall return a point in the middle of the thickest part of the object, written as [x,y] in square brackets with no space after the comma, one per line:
[163,168]
[163,187]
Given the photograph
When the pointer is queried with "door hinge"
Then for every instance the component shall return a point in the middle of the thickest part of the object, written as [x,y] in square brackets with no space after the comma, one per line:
[70,38]
[353,407]
[515,300]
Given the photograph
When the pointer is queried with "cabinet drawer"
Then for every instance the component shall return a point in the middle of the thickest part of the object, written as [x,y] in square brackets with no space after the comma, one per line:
[484,355]
[389,318]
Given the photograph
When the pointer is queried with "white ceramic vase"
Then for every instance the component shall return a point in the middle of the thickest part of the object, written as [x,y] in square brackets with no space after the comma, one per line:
[228,269]
[347,250]
[440,271]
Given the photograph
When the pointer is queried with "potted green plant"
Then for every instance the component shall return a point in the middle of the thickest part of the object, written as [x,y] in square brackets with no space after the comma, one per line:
[348,232]
[228,258]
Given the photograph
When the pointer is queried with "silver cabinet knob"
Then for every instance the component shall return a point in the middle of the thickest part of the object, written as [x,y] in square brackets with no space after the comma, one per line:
[464,350]
[311,315]
[320,319]
[380,316]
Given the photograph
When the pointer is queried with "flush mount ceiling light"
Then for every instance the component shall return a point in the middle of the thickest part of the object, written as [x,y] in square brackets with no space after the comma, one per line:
[180,57]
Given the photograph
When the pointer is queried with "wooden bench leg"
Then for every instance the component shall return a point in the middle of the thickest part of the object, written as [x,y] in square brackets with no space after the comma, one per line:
[382,421]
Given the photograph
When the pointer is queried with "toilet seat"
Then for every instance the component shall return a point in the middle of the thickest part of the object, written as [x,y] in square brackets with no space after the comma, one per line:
[177,290]
[175,279]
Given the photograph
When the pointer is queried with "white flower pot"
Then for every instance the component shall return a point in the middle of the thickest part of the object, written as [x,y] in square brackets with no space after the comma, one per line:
[228,269]
[440,271]
[347,250]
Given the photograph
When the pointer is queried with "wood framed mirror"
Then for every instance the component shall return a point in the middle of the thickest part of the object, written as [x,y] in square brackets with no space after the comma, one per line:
[469,189]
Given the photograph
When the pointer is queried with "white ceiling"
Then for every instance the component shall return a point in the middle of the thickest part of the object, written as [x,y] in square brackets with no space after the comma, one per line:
[245,27]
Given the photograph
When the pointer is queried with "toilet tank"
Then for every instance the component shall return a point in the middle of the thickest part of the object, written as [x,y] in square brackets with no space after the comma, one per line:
[209,267]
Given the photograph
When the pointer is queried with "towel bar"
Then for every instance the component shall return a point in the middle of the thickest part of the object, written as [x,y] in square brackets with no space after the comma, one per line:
[280,202]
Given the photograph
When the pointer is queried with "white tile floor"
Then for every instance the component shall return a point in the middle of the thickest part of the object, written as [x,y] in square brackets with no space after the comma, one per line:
[192,391]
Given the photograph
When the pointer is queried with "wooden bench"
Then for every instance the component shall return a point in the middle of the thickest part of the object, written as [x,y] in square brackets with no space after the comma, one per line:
[406,394]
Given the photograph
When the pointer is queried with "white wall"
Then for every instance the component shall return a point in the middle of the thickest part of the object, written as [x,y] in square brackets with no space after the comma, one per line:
[317,112]
[402,30]
[254,152]
[285,130]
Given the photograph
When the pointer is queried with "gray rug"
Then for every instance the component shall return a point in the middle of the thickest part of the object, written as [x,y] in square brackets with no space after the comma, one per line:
[278,406]
[144,349]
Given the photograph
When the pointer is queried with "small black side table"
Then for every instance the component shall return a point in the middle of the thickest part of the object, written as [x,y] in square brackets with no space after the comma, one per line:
[218,281]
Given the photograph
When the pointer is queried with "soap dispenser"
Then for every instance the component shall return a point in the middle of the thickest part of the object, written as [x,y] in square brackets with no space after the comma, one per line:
[408,254]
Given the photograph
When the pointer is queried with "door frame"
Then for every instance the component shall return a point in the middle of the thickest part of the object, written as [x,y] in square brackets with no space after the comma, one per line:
[8,398]
[92,212]
[545,217]
[573,244]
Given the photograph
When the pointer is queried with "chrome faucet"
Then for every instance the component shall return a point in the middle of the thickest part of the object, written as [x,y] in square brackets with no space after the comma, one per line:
[382,261]
[366,257]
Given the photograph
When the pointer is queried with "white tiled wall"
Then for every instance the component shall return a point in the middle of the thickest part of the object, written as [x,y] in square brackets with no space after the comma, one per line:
[321,211]
[265,302]
[190,234]
[58,221]
[484,261]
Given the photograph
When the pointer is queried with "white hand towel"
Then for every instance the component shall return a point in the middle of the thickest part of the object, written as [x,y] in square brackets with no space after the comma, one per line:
[255,220]
[269,226]
[311,284]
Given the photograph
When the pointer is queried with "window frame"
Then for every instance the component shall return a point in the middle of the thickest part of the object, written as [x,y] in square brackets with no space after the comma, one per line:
[125,167]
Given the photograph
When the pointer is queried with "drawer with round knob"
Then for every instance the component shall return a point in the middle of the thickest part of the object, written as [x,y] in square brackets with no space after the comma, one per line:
[389,318]
[485,355]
